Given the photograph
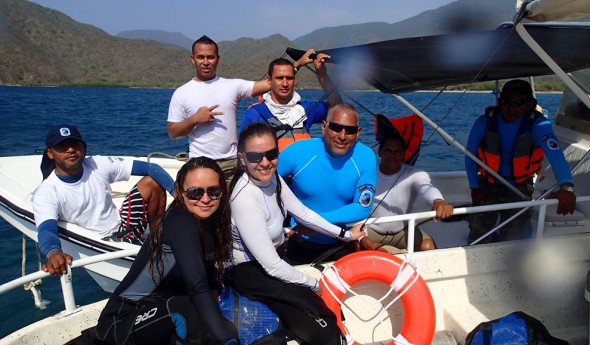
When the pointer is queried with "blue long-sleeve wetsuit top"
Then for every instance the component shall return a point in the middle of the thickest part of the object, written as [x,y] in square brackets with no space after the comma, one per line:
[141,168]
[543,135]
[341,189]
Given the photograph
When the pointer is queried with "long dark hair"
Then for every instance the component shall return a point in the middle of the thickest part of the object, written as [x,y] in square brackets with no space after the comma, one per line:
[221,217]
[256,129]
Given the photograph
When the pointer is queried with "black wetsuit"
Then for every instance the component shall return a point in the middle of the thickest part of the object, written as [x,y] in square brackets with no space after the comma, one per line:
[179,305]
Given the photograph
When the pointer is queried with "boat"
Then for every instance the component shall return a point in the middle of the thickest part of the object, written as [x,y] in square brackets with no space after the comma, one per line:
[22,176]
[469,284]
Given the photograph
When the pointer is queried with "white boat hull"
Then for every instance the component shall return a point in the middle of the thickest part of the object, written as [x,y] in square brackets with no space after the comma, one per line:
[21,176]
[469,285]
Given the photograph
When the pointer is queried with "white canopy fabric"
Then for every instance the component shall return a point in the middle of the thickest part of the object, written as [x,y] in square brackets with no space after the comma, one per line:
[553,10]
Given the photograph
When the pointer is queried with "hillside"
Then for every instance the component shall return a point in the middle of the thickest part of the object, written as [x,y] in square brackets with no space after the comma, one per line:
[445,19]
[174,38]
[40,46]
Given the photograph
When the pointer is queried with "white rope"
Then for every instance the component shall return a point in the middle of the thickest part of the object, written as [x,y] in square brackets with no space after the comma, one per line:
[180,156]
[400,339]
[399,295]
[40,303]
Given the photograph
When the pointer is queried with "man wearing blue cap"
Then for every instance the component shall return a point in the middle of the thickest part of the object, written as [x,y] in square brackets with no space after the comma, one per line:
[77,189]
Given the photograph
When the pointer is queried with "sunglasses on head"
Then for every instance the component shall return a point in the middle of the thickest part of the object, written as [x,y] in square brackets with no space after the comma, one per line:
[256,157]
[336,127]
[196,193]
[519,102]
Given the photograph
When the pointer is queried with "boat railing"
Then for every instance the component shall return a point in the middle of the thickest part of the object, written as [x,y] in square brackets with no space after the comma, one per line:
[411,218]
[66,279]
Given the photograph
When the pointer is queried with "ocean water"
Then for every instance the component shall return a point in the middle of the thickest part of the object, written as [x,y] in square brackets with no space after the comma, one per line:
[132,121]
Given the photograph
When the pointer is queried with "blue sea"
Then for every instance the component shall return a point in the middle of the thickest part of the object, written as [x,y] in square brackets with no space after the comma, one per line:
[132,121]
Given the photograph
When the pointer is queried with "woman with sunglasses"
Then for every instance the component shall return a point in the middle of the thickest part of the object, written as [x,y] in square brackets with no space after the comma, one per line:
[167,295]
[259,203]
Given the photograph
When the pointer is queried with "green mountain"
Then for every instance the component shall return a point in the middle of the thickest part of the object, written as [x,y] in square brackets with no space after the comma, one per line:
[40,46]
[458,15]
[174,38]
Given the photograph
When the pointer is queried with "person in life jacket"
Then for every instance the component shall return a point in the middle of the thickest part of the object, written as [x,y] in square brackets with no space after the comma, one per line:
[282,107]
[512,138]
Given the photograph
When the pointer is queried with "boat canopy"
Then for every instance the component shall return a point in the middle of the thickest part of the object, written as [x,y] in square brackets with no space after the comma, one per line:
[551,10]
[430,62]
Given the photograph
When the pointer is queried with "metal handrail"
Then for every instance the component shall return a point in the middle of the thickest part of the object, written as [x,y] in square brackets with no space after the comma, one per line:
[66,279]
[413,217]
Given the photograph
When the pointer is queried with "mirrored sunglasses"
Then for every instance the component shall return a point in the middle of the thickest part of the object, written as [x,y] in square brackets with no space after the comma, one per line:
[519,102]
[336,127]
[196,193]
[256,157]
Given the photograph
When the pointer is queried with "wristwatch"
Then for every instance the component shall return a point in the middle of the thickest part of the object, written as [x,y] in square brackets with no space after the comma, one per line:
[342,233]
[568,188]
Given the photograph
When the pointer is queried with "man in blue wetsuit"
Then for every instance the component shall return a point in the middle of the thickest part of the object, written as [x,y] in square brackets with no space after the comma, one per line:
[77,189]
[512,138]
[282,107]
[335,176]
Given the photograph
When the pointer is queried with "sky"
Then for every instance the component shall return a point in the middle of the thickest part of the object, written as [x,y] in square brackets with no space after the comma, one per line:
[226,20]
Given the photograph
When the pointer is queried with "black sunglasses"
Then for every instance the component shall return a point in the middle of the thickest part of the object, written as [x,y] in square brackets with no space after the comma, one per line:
[336,127]
[66,144]
[519,102]
[256,157]
[196,193]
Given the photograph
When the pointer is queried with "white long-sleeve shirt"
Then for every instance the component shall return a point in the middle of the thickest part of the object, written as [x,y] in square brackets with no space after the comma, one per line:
[405,185]
[257,226]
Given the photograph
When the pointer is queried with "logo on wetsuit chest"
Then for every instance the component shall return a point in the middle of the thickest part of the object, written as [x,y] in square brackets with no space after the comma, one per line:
[367,194]
[145,316]
[552,143]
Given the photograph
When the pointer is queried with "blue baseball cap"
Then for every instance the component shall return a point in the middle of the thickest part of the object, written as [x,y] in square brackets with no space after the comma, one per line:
[59,133]
[519,86]
[56,135]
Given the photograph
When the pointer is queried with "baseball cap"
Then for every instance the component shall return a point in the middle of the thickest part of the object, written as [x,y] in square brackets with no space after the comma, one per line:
[56,135]
[59,133]
[519,86]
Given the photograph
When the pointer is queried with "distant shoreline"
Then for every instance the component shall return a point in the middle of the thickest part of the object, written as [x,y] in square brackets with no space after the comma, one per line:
[298,89]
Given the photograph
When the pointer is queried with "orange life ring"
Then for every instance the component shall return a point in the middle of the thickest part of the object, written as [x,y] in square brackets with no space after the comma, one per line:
[419,321]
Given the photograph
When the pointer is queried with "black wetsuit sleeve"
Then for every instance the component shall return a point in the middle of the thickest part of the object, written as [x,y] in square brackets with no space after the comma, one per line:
[182,234]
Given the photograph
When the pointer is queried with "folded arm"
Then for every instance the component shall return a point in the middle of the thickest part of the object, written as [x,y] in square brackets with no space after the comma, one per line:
[156,172]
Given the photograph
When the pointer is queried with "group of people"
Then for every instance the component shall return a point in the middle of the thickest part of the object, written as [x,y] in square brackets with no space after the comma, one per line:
[234,196]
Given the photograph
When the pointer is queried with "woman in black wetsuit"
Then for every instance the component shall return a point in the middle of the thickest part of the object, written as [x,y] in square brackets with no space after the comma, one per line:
[167,295]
